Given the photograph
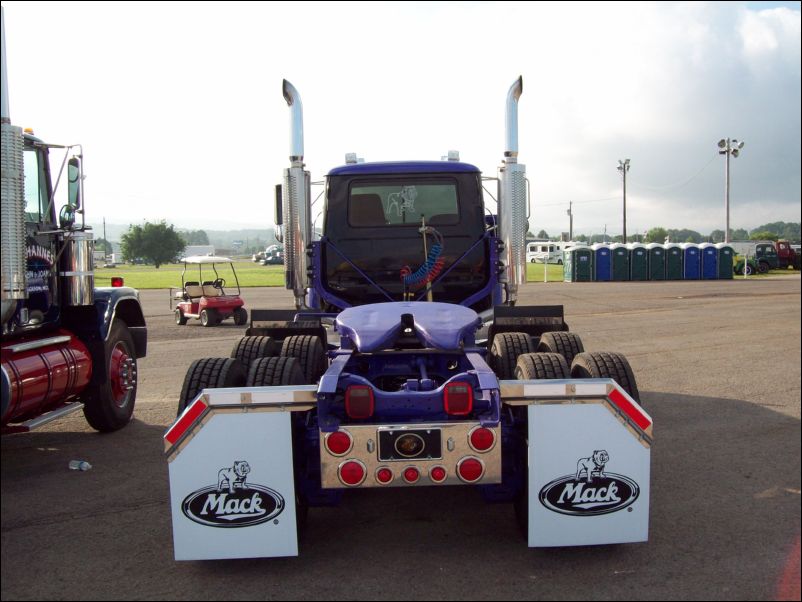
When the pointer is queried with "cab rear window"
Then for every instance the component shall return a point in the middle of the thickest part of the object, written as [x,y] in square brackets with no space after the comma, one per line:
[403,203]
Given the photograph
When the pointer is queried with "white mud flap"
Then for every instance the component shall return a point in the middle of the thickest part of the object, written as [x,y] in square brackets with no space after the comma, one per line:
[589,462]
[232,492]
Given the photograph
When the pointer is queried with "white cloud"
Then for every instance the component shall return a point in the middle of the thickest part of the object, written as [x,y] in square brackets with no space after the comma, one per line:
[180,111]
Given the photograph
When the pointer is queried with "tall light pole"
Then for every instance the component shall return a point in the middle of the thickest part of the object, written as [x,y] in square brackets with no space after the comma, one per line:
[728,147]
[570,221]
[623,167]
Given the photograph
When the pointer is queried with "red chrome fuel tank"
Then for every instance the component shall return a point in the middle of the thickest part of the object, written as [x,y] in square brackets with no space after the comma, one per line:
[42,373]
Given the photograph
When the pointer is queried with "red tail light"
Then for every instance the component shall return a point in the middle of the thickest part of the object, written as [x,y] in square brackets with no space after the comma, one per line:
[339,443]
[411,475]
[470,470]
[117,281]
[458,399]
[352,473]
[384,475]
[359,402]
[482,439]
[438,474]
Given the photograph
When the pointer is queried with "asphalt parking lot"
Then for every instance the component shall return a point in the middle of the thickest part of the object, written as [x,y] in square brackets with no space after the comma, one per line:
[718,367]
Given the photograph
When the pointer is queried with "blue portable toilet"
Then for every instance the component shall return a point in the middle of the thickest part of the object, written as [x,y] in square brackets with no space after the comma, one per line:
[690,261]
[674,269]
[709,261]
[657,261]
[603,262]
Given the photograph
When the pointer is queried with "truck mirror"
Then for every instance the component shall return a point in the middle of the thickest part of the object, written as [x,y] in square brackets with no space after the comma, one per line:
[74,182]
[279,219]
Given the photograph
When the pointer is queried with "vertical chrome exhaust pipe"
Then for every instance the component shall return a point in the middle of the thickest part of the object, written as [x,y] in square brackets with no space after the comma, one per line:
[296,203]
[513,223]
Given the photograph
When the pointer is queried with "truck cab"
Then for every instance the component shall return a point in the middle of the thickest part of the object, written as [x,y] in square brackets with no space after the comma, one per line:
[372,233]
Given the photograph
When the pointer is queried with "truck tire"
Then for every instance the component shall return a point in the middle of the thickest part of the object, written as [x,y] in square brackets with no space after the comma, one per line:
[249,349]
[208,317]
[763,267]
[606,365]
[540,366]
[180,318]
[567,344]
[210,373]
[308,349]
[275,372]
[504,352]
[109,405]
[240,316]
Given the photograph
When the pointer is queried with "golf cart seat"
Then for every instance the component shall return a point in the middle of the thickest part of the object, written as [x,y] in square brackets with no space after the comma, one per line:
[209,289]
[193,289]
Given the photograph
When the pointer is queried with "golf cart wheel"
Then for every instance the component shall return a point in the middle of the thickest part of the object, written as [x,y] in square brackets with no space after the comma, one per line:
[567,344]
[180,318]
[240,316]
[208,317]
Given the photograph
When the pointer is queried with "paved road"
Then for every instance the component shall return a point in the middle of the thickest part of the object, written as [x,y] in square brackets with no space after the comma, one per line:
[718,367]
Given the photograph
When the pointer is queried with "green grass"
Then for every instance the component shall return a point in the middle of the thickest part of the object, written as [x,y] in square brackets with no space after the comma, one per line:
[169,275]
[252,274]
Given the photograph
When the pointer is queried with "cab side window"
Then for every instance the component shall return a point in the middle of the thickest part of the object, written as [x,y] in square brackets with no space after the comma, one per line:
[35,193]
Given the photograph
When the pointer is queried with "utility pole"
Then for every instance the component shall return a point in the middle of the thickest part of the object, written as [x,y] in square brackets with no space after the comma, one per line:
[728,147]
[570,221]
[623,167]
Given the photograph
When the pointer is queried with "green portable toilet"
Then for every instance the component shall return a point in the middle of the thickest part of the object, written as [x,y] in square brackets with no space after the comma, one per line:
[638,261]
[657,261]
[620,261]
[673,261]
[580,260]
[726,261]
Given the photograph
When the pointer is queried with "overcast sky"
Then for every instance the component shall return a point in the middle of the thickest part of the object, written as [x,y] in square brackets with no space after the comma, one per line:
[180,112]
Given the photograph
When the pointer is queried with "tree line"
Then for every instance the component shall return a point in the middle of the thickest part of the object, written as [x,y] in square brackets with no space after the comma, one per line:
[773,231]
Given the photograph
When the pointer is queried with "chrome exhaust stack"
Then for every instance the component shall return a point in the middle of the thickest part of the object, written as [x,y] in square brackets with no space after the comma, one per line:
[12,203]
[513,221]
[296,209]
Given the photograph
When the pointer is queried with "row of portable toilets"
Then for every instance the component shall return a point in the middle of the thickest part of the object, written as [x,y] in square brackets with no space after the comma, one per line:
[635,261]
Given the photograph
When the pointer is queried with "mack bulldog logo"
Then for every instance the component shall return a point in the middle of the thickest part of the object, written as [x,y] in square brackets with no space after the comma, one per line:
[233,502]
[590,491]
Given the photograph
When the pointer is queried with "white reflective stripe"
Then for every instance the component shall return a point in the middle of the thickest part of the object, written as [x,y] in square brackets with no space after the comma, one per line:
[570,387]
[285,395]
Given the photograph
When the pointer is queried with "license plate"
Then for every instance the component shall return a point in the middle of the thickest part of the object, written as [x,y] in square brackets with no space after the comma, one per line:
[397,445]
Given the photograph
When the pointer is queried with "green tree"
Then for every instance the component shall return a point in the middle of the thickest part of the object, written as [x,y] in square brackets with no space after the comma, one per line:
[764,235]
[101,244]
[717,236]
[656,235]
[740,234]
[543,234]
[155,243]
[195,237]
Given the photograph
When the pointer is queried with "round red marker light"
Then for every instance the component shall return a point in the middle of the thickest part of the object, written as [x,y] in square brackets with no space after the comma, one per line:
[384,475]
[411,475]
[482,439]
[339,443]
[438,474]
[470,470]
[352,473]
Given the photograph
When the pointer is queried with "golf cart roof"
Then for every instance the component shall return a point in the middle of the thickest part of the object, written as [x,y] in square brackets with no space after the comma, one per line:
[206,259]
